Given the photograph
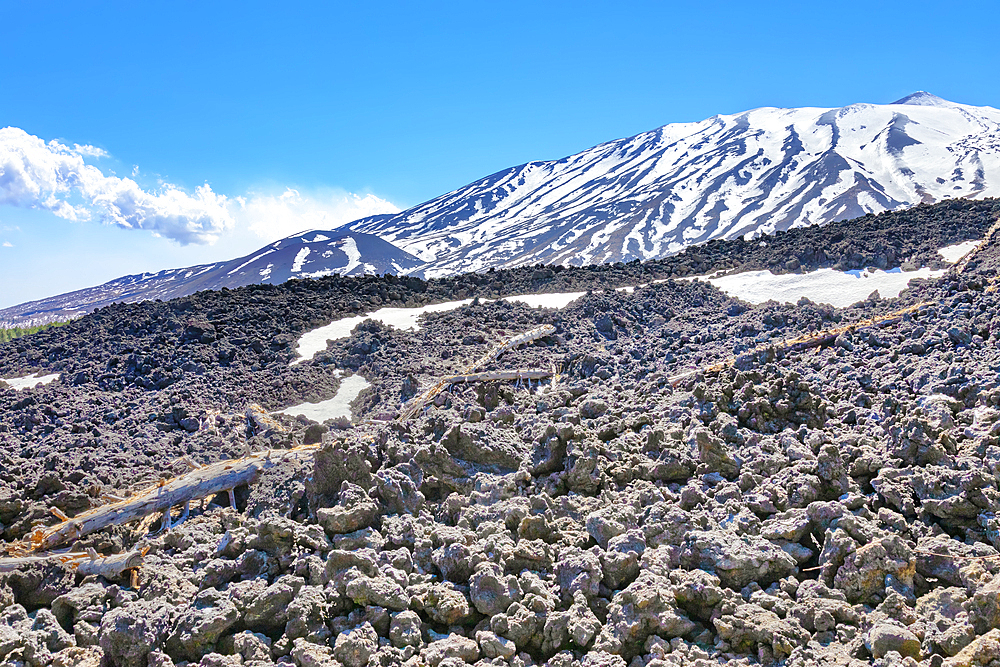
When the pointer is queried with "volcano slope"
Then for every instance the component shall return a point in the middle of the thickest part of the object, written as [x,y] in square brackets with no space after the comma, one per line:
[818,503]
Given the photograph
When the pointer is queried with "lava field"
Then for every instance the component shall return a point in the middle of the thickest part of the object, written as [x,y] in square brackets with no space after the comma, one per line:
[696,481]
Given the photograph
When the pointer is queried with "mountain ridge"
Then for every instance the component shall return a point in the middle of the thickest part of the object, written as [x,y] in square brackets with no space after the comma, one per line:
[296,256]
[646,196]
[643,197]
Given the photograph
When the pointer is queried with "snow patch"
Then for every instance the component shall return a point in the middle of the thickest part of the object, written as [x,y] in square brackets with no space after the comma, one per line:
[333,408]
[837,288]
[953,253]
[251,261]
[407,319]
[18,384]
[300,259]
[350,248]
[315,341]
[545,300]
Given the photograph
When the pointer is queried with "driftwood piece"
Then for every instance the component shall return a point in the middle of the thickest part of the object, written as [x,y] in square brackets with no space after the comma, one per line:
[418,403]
[110,567]
[200,483]
[86,563]
[498,375]
[260,421]
[988,238]
[818,339]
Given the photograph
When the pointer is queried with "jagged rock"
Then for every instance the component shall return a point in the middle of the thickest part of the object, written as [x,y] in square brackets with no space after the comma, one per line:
[307,654]
[399,488]
[269,607]
[452,646]
[129,633]
[821,610]
[620,563]
[76,656]
[790,525]
[942,613]
[355,647]
[306,615]
[354,512]
[493,646]
[197,628]
[404,630]
[67,608]
[455,561]
[379,591]
[645,607]
[578,570]
[219,660]
[713,453]
[985,650]
[865,570]
[696,591]
[442,603]
[335,463]
[252,647]
[365,538]
[885,637]
[750,626]
[491,591]
[737,560]
[524,622]
[953,554]
[578,626]
[983,606]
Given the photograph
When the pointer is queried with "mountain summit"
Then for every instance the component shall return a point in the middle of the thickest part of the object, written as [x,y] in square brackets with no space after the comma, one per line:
[924,99]
[749,173]
[644,197]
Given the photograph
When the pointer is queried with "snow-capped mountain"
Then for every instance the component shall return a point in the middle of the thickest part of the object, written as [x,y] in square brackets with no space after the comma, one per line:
[311,254]
[755,172]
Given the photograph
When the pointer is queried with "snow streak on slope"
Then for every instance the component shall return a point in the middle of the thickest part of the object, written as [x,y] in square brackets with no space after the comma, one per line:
[755,172]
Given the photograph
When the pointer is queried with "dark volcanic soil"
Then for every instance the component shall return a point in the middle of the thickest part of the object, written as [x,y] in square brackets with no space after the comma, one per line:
[824,506]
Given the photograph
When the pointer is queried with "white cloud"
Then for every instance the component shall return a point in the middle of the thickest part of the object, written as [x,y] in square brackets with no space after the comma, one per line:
[274,217]
[55,177]
[8,244]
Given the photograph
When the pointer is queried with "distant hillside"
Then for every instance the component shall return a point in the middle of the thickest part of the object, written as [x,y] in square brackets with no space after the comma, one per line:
[310,254]
[751,173]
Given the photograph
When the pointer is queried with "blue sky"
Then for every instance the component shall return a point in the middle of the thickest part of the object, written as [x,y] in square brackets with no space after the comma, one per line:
[368,106]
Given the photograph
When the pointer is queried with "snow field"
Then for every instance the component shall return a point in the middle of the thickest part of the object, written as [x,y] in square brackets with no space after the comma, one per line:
[29,382]
[953,253]
[332,408]
[837,288]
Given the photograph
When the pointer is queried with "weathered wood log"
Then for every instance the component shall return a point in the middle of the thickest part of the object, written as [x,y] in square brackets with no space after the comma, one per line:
[988,238]
[260,421]
[85,563]
[497,375]
[809,341]
[418,403]
[110,567]
[203,482]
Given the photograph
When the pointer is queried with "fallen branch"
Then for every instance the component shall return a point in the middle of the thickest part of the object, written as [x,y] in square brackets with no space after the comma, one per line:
[818,339]
[203,482]
[987,239]
[260,421]
[417,404]
[498,375]
[85,563]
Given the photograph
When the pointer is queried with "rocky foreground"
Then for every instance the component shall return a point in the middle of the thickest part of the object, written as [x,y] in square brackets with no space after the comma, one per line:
[829,503]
